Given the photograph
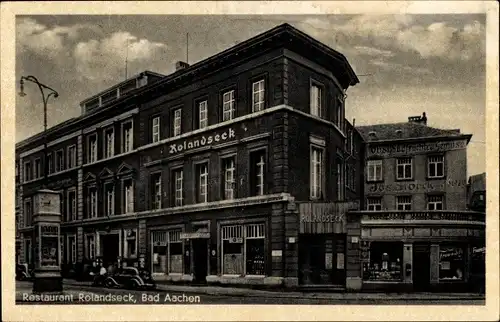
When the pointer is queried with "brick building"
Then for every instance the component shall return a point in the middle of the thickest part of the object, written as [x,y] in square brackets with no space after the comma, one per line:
[237,169]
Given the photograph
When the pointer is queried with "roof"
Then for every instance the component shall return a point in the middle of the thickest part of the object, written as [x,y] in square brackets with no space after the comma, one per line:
[409,130]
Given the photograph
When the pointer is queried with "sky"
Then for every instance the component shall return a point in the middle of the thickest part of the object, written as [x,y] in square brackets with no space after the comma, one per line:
[407,64]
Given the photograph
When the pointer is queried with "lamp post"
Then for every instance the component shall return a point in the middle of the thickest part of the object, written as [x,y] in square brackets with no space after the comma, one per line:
[46,215]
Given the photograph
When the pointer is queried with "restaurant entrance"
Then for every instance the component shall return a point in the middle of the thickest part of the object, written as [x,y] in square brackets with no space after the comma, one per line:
[421,267]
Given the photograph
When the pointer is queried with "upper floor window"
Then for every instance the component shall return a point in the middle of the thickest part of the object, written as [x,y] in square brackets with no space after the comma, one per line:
[229,178]
[339,117]
[258,96]
[435,165]
[27,171]
[258,172]
[71,156]
[109,200]
[316,96]
[228,105]
[202,187]
[127,136]
[177,183]
[202,114]
[374,170]
[59,160]
[316,173]
[404,169]
[38,168]
[374,204]
[128,196]
[50,163]
[92,202]
[435,202]
[28,212]
[155,129]
[109,143]
[403,203]
[157,191]
[177,126]
[92,148]
[71,205]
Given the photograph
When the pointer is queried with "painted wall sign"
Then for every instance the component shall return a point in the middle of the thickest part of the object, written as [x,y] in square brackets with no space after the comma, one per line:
[202,141]
[321,218]
[416,186]
[415,148]
[277,253]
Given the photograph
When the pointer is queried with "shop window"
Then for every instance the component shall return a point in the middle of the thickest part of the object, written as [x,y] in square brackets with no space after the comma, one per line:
[435,202]
[435,165]
[316,173]
[175,251]
[167,252]
[316,97]
[258,172]
[451,263]
[109,143]
[258,96]
[155,129]
[404,169]
[403,203]
[374,204]
[243,249]
[229,178]
[228,106]
[478,260]
[374,170]
[156,189]
[385,262]
[202,114]
[159,252]
[202,186]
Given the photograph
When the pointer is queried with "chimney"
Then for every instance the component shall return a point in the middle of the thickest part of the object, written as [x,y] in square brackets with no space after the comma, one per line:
[418,119]
[181,65]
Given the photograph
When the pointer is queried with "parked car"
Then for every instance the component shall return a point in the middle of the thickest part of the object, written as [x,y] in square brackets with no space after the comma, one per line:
[23,272]
[131,278]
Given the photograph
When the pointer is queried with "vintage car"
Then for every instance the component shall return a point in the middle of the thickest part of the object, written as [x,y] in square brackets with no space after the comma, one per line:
[131,278]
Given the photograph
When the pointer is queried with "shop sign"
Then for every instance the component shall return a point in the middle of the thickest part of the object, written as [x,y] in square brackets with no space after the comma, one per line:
[277,253]
[321,218]
[59,184]
[416,187]
[194,235]
[415,148]
[328,260]
[202,141]
[49,230]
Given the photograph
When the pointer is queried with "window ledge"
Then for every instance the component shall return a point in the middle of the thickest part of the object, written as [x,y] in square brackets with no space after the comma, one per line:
[404,179]
[435,178]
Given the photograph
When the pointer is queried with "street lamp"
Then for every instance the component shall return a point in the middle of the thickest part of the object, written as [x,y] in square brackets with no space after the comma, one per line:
[46,92]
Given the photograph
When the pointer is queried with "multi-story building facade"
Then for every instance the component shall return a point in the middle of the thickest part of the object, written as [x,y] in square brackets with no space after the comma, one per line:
[476,192]
[415,230]
[237,169]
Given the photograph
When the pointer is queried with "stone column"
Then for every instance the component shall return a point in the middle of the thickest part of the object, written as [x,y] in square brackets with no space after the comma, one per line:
[407,259]
[434,276]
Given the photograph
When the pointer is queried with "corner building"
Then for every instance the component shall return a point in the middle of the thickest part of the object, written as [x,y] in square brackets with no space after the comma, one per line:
[239,169]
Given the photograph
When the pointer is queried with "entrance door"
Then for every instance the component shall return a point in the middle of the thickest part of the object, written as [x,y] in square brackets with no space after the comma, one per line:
[110,248]
[421,266]
[200,259]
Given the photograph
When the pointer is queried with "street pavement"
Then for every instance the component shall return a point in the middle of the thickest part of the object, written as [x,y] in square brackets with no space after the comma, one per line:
[83,293]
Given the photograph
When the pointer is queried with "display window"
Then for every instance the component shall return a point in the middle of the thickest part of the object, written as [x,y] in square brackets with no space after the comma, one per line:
[451,262]
[385,261]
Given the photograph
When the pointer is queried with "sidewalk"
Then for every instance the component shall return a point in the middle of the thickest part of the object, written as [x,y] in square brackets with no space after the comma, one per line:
[234,291]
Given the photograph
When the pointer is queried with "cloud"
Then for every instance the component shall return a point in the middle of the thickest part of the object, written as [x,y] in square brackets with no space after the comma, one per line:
[401,67]
[109,54]
[372,51]
[45,41]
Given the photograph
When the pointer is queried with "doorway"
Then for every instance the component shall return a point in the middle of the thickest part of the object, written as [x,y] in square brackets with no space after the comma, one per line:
[200,260]
[421,267]
[110,248]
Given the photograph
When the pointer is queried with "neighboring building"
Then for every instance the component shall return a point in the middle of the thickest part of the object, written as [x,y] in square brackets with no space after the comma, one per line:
[415,232]
[233,170]
[476,192]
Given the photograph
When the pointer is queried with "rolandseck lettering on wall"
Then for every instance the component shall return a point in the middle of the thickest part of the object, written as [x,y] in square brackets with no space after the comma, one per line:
[201,141]
[415,148]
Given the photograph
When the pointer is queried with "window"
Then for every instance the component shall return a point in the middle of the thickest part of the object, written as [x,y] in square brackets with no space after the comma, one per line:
[71,205]
[451,262]
[38,168]
[71,157]
[339,118]
[374,204]
[28,212]
[59,160]
[72,249]
[316,96]
[127,136]
[27,251]
[316,173]
[131,243]
[403,203]
[177,126]
[175,252]
[109,143]
[229,178]
[374,170]
[90,249]
[258,94]
[202,186]
[340,179]
[156,188]
[27,171]
[435,202]
[155,134]
[128,196]
[243,249]
[385,262]
[92,202]
[92,148]
[159,252]
[258,172]
[50,166]
[404,169]
[228,106]
[109,201]
[177,175]
[435,166]
[202,115]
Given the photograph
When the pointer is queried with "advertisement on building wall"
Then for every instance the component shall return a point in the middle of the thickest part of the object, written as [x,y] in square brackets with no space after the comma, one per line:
[201,141]
[416,187]
[395,149]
